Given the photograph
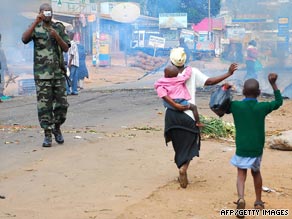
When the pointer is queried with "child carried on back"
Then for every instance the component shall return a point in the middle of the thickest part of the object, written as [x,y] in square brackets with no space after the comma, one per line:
[173,85]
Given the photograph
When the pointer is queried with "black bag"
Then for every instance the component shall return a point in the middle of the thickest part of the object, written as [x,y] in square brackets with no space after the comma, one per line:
[220,100]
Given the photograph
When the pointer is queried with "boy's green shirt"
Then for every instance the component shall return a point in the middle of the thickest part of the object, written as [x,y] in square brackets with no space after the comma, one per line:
[249,119]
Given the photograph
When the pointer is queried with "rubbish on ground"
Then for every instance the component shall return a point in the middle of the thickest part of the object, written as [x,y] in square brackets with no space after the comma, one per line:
[267,189]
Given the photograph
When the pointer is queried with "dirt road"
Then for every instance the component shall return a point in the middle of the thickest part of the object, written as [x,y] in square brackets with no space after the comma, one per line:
[114,163]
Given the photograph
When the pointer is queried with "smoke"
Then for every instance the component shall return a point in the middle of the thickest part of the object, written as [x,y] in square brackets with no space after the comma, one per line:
[12,25]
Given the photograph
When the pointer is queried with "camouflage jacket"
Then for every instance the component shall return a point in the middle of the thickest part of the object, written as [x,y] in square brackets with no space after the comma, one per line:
[48,55]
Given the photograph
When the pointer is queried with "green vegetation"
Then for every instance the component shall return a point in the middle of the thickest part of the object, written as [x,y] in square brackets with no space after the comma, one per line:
[217,128]
[196,10]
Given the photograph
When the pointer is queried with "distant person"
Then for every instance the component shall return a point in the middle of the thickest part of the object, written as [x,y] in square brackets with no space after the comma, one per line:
[3,70]
[82,69]
[50,41]
[183,44]
[174,86]
[73,64]
[249,119]
[232,53]
[251,58]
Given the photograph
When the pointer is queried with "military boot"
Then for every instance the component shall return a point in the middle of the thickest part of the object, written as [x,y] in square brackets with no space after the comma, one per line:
[48,138]
[58,134]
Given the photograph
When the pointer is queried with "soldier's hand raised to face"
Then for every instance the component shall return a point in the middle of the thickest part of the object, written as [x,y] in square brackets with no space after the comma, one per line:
[40,17]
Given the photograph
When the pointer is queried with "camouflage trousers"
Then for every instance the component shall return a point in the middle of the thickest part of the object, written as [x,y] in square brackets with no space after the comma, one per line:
[52,102]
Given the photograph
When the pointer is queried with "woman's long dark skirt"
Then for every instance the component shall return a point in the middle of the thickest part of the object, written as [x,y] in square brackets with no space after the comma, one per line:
[184,134]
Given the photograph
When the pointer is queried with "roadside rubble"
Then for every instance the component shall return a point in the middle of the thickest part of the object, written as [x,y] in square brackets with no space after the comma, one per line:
[282,141]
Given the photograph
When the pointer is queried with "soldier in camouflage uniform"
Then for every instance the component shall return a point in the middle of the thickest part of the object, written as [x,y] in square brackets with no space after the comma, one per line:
[50,41]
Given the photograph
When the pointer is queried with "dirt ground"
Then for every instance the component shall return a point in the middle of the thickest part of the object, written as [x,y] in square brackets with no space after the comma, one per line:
[115,165]
[213,179]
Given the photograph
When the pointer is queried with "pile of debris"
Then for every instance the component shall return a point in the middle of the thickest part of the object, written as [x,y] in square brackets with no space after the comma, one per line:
[147,62]
[281,141]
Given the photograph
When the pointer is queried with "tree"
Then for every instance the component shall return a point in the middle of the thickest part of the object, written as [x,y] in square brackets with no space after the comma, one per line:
[199,9]
[196,10]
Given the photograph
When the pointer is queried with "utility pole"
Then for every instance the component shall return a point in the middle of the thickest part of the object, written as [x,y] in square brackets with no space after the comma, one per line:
[209,19]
